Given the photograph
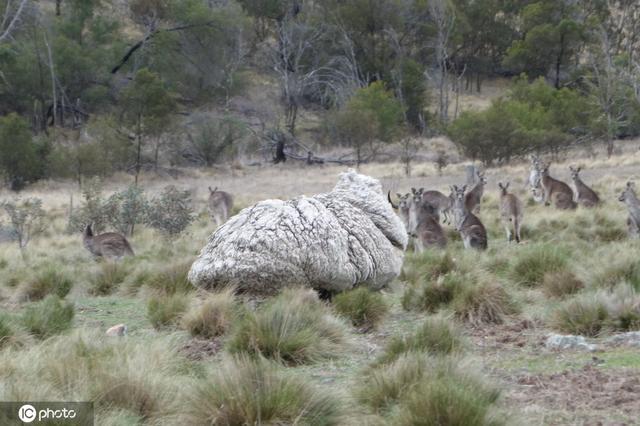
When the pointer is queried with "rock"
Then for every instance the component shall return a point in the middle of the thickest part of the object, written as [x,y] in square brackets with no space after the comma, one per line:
[330,242]
[563,342]
[117,330]
[631,338]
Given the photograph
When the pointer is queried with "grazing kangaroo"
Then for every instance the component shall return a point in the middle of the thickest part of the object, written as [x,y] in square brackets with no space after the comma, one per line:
[440,202]
[556,190]
[425,226]
[474,197]
[630,198]
[109,245]
[220,205]
[511,212]
[583,194]
[404,203]
[472,231]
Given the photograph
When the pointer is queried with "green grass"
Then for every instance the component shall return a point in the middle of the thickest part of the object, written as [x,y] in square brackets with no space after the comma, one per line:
[361,306]
[533,262]
[45,282]
[483,302]
[214,317]
[172,279]
[108,278]
[585,315]
[430,295]
[166,310]
[559,284]
[48,317]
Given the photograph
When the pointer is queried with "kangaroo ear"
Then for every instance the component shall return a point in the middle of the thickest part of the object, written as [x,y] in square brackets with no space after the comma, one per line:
[507,185]
[578,170]
[398,195]
[464,188]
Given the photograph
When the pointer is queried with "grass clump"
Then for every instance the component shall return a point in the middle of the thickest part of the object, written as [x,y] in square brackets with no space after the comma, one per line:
[430,295]
[172,279]
[586,315]
[363,307]
[248,391]
[623,306]
[533,262]
[613,266]
[166,310]
[436,336]
[214,317]
[48,281]
[561,283]
[428,265]
[48,317]
[294,328]
[108,278]
[483,303]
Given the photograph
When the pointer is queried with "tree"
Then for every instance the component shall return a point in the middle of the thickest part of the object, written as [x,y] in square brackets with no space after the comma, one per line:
[11,16]
[170,212]
[147,105]
[213,137]
[21,158]
[27,219]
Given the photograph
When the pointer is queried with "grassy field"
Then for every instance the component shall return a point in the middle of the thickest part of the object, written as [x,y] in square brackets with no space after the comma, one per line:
[457,329]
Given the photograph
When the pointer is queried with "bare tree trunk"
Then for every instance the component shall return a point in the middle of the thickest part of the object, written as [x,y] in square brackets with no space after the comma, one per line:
[53,80]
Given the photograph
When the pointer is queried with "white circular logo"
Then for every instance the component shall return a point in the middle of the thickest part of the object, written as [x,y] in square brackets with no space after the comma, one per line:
[27,413]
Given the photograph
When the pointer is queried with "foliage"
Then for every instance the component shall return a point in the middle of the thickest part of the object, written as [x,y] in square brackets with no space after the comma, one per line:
[532,263]
[26,218]
[363,307]
[48,281]
[126,209]
[48,317]
[483,303]
[215,317]
[21,158]
[92,211]
[432,294]
[213,140]
[171,279]
[108,278]
[584,315]
[171,212]
[166,310]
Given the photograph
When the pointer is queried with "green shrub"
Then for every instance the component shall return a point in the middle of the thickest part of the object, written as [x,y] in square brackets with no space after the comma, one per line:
[166,310]
[436,336]
[172,279]
[170,212]
[430,295]
[294,328]
[533,262]
[483,303]
[48,281]
[48,317]
[586,315]
[214,317]
[108,278]
[363,307]
[248,391]
[559,284]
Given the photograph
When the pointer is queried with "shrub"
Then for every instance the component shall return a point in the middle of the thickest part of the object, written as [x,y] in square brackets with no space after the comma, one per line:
[293,328]
[92,211]
[559,284]
[172,279]
[48,281]
[245,391]
[483,303]
[26,218]
[48,317]
[586,315]
[432,294]
[166,310]
[436,336]
[108,278]
[126,209]
[214,317]
[171,212]
[363,307]
[533,262]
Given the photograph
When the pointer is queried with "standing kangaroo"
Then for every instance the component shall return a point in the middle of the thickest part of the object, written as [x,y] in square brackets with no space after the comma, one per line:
[474,197]
[440,202]
[220,205]
[511,212]
[425,226]
[404,203]
[630,198]
[472,231]
[583,194]
[109,245]
[556,190]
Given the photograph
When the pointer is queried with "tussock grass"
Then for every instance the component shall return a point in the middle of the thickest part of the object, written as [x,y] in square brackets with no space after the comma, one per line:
[586,315]
[624,308]
[436,336]
[428,265]
[247,391]
[48,317]
[534,261]
[430,295]
[483,302]
[561,283]
[108,278]
[214,317]
[11,334]
[166,310]
[363,307]
[294,328]
[172,279]
[45,282]
[614,264]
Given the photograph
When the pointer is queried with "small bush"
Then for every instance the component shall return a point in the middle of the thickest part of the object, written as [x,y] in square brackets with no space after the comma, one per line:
[585,315]
[436,336]
[214,317]
[559,284]
[48,317]
[165,311]
[48,281]
[432,294]
[171,212]
[108,278]
[483,303]
[535,261]
[245,391]
[172,279]
[293,328]
[364,308]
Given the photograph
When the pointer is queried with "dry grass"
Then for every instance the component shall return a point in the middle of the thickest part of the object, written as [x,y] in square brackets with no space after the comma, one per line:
[363,307]
[214,317]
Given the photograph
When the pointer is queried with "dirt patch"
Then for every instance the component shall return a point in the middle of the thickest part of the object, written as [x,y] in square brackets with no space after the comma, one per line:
[510,335]
[583,393]
[199,349]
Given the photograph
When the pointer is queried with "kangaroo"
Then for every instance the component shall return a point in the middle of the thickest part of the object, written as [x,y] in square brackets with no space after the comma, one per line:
[109,245]
[403,206]
[220,205]
[472,231]
[511,212]
[556,190]
[440,202]
[425,227]
[630,198]
[583,194]
[474,197]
